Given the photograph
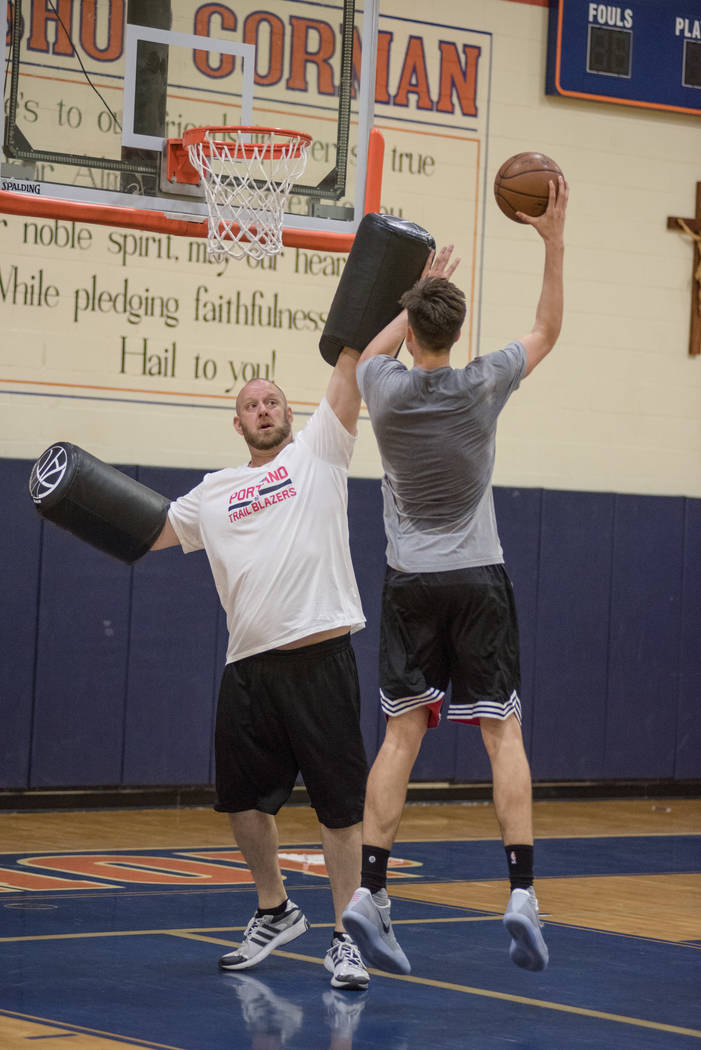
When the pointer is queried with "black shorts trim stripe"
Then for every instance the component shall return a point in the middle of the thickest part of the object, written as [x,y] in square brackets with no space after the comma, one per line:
[454,629]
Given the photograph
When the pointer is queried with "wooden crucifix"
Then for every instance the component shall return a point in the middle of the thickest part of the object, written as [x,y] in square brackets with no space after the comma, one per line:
[692,228]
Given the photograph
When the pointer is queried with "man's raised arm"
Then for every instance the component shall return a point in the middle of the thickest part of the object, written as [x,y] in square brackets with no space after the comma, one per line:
[342,392]
[548,319]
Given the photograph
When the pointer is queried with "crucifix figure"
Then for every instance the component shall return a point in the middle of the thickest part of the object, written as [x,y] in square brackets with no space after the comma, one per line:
[692,228]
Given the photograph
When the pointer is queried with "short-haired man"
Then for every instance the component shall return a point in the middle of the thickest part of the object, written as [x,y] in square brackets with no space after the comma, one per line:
[448,614]
[276,535]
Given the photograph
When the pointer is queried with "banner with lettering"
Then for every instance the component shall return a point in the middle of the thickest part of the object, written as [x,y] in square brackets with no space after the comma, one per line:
[121,340]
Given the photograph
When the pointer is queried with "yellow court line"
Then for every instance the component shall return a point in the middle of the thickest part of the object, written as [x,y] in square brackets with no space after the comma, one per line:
[487,993]
[71,1029]
[125,933]
[427,982]
[196,930]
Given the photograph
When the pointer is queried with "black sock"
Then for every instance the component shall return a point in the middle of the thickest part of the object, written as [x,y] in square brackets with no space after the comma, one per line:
[519,860]
[338,935]
[373,875]
[275,912]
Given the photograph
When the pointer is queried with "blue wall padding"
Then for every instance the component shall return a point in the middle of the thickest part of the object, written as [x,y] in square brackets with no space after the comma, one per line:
[110,673]
[574,584]
[172,654]
[81,665]
[644,640]
[219,662]
[688,745]
[518,514]
[471,762]
[20,562]
[368,553]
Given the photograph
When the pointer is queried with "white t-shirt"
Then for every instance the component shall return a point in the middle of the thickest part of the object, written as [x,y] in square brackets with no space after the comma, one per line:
[277,539]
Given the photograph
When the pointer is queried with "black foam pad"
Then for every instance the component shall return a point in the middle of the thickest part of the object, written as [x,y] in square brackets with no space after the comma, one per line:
[96,502]
[387,257]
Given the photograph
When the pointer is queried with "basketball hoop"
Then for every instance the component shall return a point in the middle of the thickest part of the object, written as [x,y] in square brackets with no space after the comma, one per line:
[247,174]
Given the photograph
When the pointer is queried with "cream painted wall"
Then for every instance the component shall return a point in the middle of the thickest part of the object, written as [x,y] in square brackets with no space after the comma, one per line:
[617,405]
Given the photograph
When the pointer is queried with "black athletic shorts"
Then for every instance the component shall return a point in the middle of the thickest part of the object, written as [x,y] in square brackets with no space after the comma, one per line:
[288,711]
[458,628]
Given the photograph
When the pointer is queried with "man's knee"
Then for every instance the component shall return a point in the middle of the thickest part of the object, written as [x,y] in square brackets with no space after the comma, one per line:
[344,831]
[496,732]
[407,731]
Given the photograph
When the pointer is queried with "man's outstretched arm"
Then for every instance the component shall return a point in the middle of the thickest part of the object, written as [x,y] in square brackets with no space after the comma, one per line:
[342,392]
[548,319]
[166,538]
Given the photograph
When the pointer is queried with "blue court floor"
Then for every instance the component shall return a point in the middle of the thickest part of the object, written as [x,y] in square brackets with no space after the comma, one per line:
[119,948]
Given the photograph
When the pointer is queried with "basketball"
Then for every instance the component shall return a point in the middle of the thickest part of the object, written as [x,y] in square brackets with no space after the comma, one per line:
[521,184]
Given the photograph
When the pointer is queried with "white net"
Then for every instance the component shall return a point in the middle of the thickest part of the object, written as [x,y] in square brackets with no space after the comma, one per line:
[247,175]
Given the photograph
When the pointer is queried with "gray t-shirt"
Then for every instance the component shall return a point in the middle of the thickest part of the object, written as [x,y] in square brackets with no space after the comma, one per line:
[436,433]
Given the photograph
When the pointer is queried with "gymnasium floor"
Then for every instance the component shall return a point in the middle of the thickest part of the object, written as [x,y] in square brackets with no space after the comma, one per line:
[112,923]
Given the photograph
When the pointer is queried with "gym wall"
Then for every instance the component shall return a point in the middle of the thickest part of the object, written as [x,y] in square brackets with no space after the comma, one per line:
[109,674]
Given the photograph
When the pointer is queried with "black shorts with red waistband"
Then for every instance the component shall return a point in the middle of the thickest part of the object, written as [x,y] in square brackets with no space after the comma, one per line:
[456,628]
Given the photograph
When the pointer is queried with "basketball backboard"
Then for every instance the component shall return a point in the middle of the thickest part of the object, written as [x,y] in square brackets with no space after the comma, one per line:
[92,95]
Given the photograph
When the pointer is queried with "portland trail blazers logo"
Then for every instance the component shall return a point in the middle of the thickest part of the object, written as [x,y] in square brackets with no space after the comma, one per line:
[48,472]
[276,487]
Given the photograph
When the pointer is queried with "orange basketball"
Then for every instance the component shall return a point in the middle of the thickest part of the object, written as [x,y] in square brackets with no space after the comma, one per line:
[521,184]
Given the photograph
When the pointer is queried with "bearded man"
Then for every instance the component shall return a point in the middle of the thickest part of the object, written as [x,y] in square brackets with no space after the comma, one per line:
[276,535]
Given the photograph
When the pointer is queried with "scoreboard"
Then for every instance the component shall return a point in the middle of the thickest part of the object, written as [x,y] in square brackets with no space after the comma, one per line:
[642,53]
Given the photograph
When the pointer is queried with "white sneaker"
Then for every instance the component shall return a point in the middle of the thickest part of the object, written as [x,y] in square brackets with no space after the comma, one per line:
[343,961]
[367,920]
[527,948]
[263,934]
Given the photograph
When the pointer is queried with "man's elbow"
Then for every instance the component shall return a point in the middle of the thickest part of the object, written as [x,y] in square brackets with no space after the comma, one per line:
[538,349]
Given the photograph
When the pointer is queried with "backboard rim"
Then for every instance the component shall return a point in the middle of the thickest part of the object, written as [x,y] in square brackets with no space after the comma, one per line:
[29,171]
[317,237]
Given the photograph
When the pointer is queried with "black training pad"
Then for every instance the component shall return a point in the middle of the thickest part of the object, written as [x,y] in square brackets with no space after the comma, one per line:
[387,258]
[96,502]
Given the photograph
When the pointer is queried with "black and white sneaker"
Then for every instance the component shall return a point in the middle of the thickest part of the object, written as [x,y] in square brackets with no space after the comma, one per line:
[263,934]
[343,961]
